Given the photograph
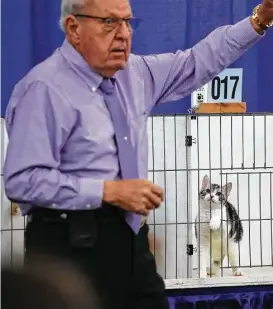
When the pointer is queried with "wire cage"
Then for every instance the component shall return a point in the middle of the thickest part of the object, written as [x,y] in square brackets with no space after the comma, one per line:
[182,150]
[232,148]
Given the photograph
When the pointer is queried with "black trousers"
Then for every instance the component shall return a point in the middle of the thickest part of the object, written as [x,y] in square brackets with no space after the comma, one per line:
[99,242]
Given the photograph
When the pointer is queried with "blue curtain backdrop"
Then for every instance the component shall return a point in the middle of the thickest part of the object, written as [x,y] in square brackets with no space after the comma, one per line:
[30,33]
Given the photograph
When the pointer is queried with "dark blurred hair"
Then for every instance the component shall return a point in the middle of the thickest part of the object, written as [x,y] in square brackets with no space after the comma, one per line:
[24,290]
[46,284]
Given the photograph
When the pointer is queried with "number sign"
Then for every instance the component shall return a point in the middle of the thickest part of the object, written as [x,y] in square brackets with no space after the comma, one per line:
[226,87]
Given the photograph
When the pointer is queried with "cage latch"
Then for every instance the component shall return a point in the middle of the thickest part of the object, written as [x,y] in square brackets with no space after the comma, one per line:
[191,249]
[189,140]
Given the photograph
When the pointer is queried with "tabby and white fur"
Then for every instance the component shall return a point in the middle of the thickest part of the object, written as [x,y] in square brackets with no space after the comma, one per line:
[220,229]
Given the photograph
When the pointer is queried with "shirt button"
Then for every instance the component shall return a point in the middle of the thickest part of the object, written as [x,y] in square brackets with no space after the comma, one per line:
[88,206]
[94,89]
[63,216]
[125,138]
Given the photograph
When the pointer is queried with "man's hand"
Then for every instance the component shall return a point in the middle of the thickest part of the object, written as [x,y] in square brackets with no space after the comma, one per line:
[266,11]
[265,15]
[136,195]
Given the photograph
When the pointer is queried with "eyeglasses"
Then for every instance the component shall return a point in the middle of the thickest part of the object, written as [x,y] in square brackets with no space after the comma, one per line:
[111,23]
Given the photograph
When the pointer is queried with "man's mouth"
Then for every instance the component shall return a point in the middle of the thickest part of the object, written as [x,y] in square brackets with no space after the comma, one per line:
[118,50]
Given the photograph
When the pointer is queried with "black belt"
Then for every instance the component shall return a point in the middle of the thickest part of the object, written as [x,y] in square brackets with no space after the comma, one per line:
[82,225]
[106,212]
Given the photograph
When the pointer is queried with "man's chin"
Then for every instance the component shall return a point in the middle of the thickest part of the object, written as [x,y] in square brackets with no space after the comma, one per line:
[117,64]
[112,68]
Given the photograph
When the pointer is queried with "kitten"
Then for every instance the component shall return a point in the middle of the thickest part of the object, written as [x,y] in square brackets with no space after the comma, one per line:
[220,229]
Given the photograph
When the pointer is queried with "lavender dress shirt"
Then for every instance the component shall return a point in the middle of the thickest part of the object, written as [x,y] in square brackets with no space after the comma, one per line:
[61,147]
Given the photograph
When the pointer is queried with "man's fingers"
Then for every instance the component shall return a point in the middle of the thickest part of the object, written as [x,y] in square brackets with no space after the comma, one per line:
[154,199]
[144,212]
[148,203]
[158,191]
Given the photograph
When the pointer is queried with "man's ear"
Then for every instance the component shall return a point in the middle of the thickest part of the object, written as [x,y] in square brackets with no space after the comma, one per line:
[72,28]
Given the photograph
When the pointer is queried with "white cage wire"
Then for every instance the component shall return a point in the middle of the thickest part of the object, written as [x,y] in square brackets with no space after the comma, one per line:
[229,148]
[182,149]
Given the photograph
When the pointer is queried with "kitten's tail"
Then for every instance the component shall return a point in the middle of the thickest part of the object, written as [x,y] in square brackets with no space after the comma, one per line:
[238,231]
[236,228]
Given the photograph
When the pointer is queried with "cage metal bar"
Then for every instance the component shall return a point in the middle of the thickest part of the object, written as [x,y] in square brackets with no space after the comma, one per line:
[187,193]
[205,115]
[168,223]
[247,267]
[265,139]
[243,143]
[238,203]
[248,173]
[165,187]
[198,177]
[189,204]
[260,213]
[153,179]
[271,216]
[210,247]
[2,231]
[176,200]
[254,142]
[11,240]
[201,222]
[221,184]
[212,169]
[226,233]
[249,225]
[231,142]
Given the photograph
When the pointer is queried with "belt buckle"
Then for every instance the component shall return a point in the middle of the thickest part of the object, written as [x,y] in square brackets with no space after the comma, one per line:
[143,221]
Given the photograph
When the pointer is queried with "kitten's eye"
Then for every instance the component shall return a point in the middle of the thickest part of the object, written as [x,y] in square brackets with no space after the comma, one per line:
[208,190]
[218,193]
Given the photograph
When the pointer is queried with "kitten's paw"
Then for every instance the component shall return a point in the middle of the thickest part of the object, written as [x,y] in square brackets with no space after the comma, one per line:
[203,274]
[212,272]
[238,273]
[215,223]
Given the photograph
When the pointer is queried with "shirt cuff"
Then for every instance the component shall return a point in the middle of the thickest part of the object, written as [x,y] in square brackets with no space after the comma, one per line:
[244,33]
[91,191]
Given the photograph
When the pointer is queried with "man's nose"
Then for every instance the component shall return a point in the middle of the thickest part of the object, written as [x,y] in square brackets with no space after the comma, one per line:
[124,30]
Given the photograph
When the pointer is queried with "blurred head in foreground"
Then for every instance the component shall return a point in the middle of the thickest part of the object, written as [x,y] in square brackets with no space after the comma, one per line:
[46,284]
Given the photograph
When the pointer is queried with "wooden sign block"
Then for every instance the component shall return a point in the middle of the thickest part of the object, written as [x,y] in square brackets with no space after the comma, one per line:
[221,108]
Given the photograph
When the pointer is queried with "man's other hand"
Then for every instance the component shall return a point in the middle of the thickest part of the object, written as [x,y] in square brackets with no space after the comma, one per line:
[136,195]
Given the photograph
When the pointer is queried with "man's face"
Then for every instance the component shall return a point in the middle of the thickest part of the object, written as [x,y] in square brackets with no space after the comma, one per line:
[104,44]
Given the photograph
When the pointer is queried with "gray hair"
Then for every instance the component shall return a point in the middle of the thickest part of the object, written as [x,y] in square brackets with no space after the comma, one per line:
[69,7]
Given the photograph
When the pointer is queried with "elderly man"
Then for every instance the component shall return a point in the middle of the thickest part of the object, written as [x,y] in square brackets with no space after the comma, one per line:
[77,154]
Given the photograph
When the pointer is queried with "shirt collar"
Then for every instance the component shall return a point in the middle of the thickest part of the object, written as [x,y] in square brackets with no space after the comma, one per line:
[77,62]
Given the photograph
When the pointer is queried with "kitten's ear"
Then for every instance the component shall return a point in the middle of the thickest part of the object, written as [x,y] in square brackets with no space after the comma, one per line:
[227,188]
[205,182]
